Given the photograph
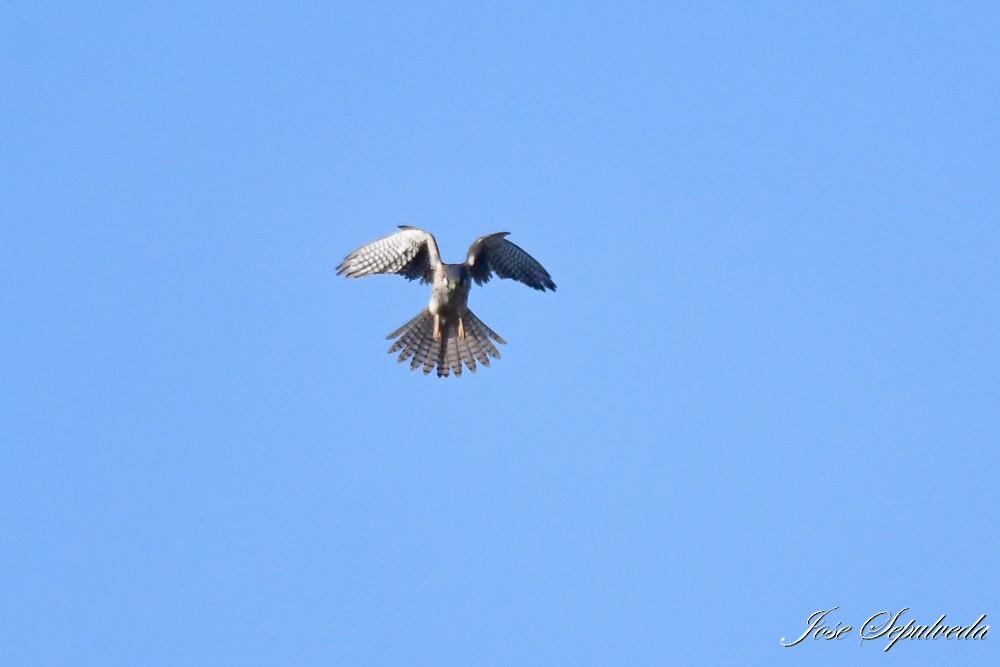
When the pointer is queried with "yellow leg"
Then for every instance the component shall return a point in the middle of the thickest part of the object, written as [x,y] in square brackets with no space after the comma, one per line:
[437,327]
[461,329]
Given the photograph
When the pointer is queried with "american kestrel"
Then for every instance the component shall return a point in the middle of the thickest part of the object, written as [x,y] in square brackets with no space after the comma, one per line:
[445,334]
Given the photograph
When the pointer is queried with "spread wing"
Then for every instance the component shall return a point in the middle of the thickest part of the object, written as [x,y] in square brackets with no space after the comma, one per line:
[494,254]
[411,253]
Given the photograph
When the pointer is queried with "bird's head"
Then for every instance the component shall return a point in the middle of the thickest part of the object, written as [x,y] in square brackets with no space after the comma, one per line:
[456,275]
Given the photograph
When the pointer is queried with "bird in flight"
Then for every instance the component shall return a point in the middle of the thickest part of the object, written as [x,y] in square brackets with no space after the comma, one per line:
[445,334]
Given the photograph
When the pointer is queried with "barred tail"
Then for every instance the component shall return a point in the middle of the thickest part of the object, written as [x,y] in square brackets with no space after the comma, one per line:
[415,340]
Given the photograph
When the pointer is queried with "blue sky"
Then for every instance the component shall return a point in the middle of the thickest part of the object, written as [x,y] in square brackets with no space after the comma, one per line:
[768,383]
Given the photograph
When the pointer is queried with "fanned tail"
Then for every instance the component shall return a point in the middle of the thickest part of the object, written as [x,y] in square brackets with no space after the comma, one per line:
[415,341]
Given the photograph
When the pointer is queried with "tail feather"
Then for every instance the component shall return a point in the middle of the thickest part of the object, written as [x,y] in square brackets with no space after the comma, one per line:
[476,349]
[466,353]
[410,336]
[453,358]
[424,344]
[483,334]
[433,353]
[415,341]
[406,344]
[409,325]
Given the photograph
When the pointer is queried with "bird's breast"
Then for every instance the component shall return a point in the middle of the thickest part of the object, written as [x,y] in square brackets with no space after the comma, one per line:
[448,297]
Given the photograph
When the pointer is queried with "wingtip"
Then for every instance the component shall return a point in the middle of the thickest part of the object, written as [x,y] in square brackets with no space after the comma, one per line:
[344,268]
[346,272]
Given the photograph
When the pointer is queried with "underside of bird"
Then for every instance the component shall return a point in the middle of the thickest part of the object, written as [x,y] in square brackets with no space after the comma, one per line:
[446,342]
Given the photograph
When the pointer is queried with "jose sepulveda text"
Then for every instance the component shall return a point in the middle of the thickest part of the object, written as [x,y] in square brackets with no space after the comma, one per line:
[887,626]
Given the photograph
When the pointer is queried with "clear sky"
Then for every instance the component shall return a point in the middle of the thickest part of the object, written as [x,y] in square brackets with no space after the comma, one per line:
[768,383]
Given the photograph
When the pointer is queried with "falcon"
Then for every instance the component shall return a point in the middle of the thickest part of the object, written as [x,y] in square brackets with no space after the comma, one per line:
[445,335]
